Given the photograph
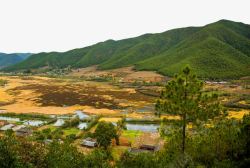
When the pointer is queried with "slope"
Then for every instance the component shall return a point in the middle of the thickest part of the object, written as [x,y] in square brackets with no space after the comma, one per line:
[216,51]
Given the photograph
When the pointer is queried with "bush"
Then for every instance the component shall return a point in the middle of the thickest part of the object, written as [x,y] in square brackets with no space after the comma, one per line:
[71,137]
[71,123]
[143,160]
[104,133]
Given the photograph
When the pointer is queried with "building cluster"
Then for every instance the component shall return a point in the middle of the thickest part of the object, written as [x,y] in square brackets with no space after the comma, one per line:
[20,130]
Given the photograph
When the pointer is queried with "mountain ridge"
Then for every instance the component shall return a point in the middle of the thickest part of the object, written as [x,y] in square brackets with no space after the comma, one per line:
[217,50]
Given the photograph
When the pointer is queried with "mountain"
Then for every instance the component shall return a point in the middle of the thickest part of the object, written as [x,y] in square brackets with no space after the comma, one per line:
[24,55]
[217,50]
[11,59]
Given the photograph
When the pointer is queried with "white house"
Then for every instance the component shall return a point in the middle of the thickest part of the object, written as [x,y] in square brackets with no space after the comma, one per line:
[89,142]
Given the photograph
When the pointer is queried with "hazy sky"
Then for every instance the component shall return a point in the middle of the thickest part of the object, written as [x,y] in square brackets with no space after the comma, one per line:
[60,25]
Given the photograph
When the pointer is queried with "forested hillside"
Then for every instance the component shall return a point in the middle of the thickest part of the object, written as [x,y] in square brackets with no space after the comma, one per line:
[218,50]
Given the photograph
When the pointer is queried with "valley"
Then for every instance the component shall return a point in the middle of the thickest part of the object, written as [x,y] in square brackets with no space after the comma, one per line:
[174,99]
[44,102]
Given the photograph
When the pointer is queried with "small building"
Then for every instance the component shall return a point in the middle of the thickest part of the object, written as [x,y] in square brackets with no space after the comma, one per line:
[59,123]
[16,128]
[24,132]
[148,148]
[47,141]
[89,142]
[144,148]
[7,127]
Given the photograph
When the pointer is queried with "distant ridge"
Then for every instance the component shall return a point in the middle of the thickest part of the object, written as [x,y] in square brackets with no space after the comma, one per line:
[217,50]
[11,59]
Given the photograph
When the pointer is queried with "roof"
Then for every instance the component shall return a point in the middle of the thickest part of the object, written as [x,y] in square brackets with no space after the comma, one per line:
[59,123]
[89,142]
[144,148]
[48,141]
[16,128]
[24,130]
[148,147]
[136,150]
[7,127]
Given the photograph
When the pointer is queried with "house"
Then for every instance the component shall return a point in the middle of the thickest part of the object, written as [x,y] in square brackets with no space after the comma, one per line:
[7,127]
[48,141]
[15,128]
[89,142]
[152,148]
[59,123]
[144,148]
[24,132]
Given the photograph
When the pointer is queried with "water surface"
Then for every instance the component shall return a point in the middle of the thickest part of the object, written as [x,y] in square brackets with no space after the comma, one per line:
[143,127]
[34,123]
[9,119]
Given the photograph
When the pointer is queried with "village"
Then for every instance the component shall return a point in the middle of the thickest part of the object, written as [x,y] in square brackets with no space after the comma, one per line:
[136,137]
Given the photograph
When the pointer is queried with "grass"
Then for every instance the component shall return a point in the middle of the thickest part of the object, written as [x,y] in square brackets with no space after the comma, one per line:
[131,135]
[68,131]
[51,127]
[117,151]
[3,82]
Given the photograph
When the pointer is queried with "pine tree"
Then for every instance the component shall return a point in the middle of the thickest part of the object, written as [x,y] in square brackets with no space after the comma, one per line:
[183,96]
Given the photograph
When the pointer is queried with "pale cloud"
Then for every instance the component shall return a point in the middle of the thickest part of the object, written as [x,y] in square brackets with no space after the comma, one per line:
[60,25]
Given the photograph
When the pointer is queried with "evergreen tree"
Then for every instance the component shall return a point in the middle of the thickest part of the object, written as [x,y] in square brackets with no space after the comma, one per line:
[183,96]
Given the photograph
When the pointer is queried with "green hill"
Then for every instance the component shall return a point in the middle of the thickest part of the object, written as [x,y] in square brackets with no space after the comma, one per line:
[217,50]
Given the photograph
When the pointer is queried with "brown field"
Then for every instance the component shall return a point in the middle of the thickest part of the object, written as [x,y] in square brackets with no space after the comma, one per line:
[63,96]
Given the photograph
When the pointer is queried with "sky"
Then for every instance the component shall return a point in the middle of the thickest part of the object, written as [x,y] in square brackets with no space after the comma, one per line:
[60,25]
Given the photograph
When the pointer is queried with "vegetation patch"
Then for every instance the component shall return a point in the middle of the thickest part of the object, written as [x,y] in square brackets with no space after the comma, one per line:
[131,135]
[3,82]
